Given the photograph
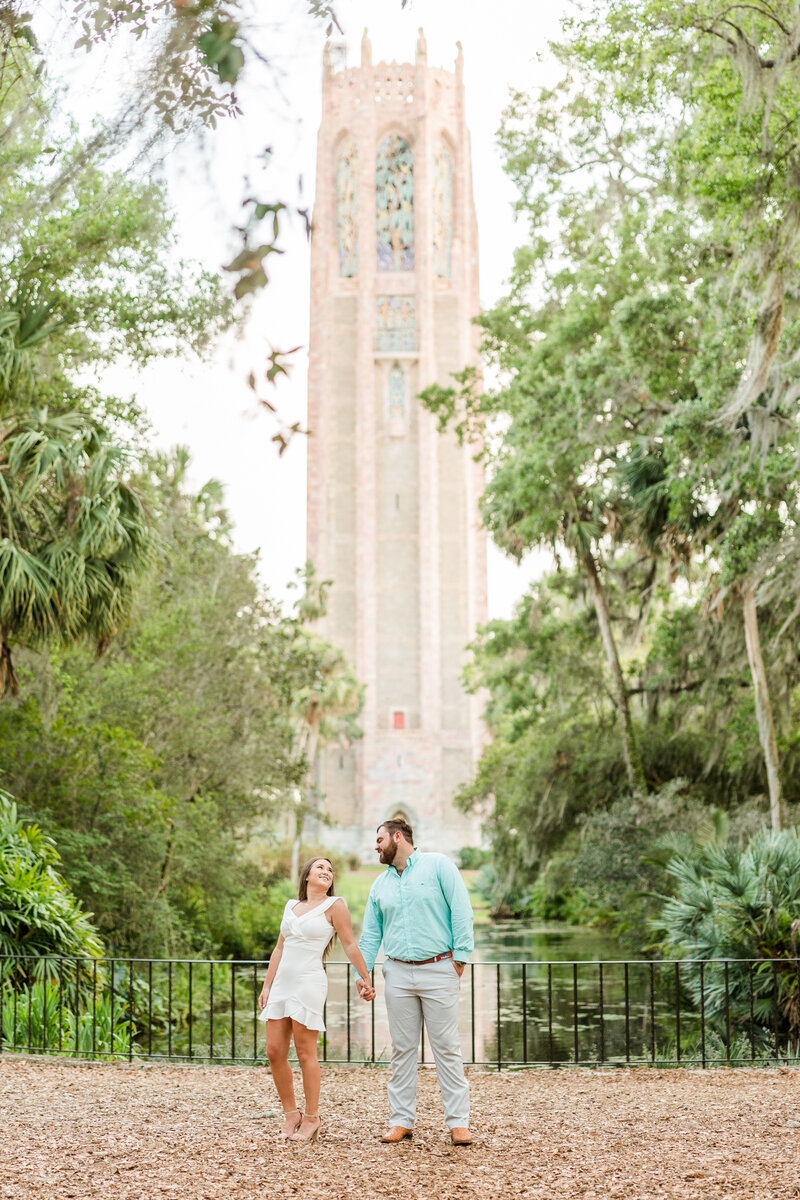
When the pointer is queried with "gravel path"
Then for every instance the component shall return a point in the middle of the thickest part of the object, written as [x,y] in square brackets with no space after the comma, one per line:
[75,1129]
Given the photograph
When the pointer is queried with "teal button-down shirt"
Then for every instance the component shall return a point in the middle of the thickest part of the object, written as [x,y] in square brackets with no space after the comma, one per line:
[418,913]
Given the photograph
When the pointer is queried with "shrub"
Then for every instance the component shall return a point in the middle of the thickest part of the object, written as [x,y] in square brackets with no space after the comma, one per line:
[39,916]
[472,858]
[33,1020]
[740,904]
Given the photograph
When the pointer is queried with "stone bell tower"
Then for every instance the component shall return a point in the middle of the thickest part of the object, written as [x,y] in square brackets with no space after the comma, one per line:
[393,504]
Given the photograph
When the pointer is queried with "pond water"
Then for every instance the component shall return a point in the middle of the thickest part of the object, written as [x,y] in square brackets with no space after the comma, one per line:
[518,941]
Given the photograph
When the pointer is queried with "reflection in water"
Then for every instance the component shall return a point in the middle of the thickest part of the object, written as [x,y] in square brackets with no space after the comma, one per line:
[545,993]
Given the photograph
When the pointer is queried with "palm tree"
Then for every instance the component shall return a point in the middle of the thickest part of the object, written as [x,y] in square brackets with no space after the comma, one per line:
[73,531]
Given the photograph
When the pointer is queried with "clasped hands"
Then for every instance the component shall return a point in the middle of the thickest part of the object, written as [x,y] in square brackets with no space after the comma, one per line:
[365,989]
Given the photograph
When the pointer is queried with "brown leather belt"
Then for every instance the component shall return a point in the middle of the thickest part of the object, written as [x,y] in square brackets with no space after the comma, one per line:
[420,962]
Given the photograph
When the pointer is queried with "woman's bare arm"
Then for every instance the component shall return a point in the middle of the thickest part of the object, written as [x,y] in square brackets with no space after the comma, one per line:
[274,960]
[340,919]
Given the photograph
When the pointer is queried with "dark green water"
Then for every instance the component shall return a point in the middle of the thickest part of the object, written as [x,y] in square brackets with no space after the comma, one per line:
[517,941]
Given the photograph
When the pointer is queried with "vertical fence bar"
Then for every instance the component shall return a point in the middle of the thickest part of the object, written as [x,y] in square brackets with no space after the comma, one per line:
[575,1010]
[727,1016]
[14,990]
[191,1012]
[169,1010]
[347,991]
[255,1009]
[44,1007]
[600,1012]
[499,1030]
[112,1008]
[77,1005]
[233,1009]
[372,1020]
[94,1009]
[703,1012]
[550,1012]
[149,1007]
[60,1001]
[752,1015]
[2,980]
[472,1007]
[775,1008]
[652,1012]
[627,1015]
[130,1010]
[211,1011]
[524,1014]
[325,1034]
[30,1003]
[678,1011]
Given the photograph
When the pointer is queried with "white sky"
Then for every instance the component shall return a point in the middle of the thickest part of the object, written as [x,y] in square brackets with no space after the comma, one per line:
[208,407]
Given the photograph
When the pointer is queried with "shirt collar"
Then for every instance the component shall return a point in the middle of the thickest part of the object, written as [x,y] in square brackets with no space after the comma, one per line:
[412,858]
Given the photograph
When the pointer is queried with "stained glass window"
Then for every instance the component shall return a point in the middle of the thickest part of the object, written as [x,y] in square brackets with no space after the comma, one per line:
[347,209]
[442,211]
[395,323]
[397,394]
[394,185]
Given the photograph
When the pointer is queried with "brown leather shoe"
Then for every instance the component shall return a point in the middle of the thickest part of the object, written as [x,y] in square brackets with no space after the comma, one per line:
[461,1136]
[397,1134]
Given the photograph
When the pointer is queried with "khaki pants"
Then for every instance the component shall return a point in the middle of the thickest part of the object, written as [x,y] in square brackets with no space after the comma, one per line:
[415,993]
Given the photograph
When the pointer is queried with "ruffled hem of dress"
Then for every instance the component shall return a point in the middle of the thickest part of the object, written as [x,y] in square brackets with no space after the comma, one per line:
[281,1009]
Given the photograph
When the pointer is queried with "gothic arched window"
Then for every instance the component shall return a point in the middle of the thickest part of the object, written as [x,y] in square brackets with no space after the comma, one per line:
[442,211]
[394,188]
[347,209]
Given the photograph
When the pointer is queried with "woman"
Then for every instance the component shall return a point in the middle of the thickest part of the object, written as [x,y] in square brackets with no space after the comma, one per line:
[294,992]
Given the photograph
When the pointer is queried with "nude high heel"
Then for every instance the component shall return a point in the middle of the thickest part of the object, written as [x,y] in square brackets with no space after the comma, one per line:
[288,1113]
[309,1137]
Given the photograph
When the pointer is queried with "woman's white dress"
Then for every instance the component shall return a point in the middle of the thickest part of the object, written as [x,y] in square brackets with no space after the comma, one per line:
[300,986]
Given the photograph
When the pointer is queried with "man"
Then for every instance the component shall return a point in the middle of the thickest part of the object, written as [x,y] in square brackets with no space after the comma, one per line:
[419,908]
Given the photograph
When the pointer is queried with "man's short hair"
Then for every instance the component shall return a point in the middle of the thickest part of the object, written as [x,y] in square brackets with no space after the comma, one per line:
[398,825]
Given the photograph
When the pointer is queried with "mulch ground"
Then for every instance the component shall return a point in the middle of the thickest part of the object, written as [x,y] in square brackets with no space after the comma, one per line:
[73,1129]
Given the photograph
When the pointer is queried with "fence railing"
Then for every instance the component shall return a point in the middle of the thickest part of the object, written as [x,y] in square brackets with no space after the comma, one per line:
[659,1013]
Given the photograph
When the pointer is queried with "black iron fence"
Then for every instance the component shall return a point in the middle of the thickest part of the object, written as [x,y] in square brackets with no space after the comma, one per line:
[657,1013]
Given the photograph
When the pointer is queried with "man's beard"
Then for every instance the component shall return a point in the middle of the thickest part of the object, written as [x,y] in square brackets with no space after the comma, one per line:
[387,856]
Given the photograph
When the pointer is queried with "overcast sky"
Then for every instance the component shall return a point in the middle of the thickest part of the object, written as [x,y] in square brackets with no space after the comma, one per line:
[208,407]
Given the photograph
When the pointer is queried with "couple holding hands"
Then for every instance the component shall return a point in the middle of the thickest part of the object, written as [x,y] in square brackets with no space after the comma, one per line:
[419,908]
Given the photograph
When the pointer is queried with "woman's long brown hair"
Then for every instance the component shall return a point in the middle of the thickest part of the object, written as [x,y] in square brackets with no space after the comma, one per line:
[302,892]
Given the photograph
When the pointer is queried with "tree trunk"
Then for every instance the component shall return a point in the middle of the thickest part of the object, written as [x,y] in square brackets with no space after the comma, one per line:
[762,351]
[9,683]
[297,837]
[766,725]
[630,750]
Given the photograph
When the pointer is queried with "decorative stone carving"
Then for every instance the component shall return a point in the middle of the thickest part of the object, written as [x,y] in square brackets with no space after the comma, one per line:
[442,211]
[396,323]
[347,209]
[394,187]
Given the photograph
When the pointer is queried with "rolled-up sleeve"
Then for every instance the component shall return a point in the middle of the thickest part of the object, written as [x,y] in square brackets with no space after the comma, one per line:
[455,893]
[372,933]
